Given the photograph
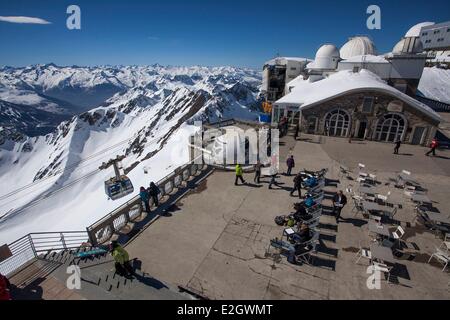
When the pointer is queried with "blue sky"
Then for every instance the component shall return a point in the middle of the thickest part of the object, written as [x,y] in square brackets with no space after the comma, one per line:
[199,32]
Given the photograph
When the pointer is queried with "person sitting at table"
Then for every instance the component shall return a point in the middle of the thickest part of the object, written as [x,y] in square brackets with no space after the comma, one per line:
[309,201]
[302,235]
[311,182]
[300,213]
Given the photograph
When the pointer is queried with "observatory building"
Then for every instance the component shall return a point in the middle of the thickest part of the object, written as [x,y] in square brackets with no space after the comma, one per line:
[354,92]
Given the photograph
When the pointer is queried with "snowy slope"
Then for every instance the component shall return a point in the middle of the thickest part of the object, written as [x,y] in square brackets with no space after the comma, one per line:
[435,84]
[52,182]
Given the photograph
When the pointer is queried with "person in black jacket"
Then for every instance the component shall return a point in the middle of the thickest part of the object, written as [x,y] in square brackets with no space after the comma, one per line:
[154,191]
[297,185]
[339,202]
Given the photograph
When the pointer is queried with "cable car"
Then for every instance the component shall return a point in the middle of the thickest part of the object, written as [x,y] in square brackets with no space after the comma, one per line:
[120,185]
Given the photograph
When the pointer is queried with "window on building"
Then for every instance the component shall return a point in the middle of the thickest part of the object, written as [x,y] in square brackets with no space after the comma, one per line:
[425,34]
[337,123]
[390,127]
[293,69]
[367,106]
[355,69]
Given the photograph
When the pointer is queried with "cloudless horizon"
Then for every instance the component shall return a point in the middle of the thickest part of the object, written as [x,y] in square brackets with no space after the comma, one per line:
[198,32]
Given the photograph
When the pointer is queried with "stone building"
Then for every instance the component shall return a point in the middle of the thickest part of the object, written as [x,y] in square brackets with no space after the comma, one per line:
[361,105]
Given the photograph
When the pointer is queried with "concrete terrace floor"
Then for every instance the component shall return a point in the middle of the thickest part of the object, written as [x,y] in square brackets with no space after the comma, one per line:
[214,242]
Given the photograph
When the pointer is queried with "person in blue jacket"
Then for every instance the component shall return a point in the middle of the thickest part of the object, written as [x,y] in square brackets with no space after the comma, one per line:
[145,197]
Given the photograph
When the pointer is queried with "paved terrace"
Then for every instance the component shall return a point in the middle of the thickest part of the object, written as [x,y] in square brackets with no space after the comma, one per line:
[215,240]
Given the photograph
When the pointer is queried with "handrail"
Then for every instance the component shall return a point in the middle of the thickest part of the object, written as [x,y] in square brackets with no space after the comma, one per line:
[26,249]
[103,229]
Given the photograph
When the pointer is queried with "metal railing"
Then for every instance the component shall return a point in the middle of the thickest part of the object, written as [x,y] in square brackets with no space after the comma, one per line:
[29,247]
[435,105]
[102,230]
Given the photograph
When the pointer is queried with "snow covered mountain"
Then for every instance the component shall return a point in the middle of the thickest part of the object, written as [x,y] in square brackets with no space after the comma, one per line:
[435,84]
[52,182]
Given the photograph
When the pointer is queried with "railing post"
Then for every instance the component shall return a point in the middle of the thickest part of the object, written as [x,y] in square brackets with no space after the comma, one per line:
[30,239]
[91,237]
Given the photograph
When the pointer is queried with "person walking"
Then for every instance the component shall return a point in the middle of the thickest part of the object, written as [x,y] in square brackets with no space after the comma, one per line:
[257,167]
[433,146]
[273,180]
[297,131]
[290,163]
[5,288]
[154,191]
[398,143]
[339,202]
[121,259]
[297,185]
[145,197]
[239,175]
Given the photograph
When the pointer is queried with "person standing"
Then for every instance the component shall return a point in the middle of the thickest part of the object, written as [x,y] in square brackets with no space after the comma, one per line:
[239,175]
[154,191]
[339,202]
[257,167]
[297,131]
[5,288]
[273,180]
[433,146]
[145,197]
[121,259]
[290,163]
[297,185]
[398,143]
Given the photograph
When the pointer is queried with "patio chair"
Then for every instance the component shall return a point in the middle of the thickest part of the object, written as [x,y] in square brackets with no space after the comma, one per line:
[445,245]
[318,197]
[383,198]
[441,256]
[305,254]
[363,253]
[396,236]
[343,171]
[357,206]
[381,267]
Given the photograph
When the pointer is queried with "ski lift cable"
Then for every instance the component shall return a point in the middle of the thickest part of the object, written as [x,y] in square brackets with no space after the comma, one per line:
[47,196]
[75,164]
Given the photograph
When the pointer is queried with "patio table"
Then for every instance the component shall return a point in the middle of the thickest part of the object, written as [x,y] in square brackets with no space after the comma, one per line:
[382,253]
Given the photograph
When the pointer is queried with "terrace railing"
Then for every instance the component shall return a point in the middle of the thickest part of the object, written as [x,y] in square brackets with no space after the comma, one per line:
[33,245]
[435,105]
[103,230]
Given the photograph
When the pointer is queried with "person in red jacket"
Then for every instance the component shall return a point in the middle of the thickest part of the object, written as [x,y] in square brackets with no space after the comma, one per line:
[4,288]
[433,146]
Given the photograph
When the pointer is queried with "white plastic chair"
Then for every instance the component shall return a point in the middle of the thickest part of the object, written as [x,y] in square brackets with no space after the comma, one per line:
[381,267]
[363,253]
[441,256]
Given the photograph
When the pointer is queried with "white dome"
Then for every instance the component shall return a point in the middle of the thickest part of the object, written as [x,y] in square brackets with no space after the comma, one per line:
[358,46]
[415,30]
[398,48]
[327,57]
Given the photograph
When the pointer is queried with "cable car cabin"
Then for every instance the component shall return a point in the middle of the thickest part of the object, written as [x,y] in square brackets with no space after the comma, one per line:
[118,188]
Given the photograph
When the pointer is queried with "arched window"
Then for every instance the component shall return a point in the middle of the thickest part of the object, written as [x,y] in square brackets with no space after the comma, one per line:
[337,123]
[390,127]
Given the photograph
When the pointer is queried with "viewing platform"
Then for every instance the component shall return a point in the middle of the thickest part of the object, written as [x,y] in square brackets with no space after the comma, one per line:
[212,240]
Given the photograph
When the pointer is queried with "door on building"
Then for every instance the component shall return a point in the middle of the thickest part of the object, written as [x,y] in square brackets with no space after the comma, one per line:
[417,135]
[362,130]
